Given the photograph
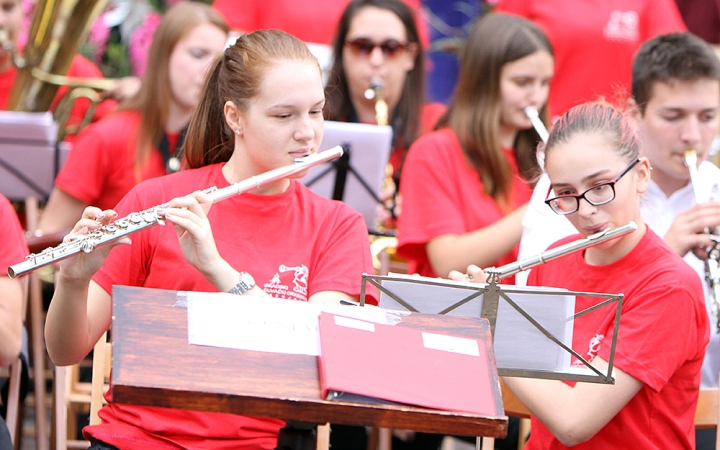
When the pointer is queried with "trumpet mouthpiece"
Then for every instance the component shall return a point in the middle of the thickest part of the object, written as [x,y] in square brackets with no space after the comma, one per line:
[690,158]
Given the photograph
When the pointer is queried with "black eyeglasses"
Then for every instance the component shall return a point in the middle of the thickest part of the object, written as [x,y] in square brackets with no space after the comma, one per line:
[364,47]
[597,195]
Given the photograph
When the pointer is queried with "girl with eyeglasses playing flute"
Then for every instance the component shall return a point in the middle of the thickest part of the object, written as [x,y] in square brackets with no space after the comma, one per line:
[280,239]
[596,180]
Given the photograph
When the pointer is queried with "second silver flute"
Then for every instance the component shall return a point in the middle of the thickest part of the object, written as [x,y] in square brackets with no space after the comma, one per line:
[542,258]
[140,220]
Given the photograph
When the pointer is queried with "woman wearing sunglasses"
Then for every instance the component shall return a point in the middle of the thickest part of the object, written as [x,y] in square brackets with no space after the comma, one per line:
[377,42]
[597,180]
[465,185]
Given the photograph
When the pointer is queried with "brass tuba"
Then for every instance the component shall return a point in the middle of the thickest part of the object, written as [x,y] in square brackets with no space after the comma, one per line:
[58,29]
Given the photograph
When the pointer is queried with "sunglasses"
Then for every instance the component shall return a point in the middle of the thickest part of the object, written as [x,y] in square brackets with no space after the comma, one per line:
[364,47]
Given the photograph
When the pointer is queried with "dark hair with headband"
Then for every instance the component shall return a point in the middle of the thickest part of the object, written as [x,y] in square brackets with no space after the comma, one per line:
[237,77]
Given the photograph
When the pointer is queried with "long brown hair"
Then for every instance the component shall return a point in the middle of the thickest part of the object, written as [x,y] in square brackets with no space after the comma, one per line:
[235,76]
[153,98]
[474,114]
[406,117]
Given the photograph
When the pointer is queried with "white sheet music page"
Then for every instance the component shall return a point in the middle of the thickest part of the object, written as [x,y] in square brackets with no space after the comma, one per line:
[264,324]
[518,343]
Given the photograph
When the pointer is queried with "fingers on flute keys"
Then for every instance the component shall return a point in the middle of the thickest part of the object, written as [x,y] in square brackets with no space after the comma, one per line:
[472,273]
[91,219]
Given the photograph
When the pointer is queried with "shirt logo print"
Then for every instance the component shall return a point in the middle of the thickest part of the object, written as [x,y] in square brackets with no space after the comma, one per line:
[300,277]
[593,349]
[622,27]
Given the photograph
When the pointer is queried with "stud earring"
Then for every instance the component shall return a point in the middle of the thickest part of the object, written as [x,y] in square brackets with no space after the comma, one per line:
[237,131]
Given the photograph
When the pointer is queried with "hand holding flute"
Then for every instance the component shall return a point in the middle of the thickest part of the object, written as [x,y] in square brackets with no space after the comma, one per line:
[85,267]
[475,273]
[96,236]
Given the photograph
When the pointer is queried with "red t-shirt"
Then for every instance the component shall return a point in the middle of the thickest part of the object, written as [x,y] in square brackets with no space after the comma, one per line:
[13,248]
[100,168]
[80,67]
[442,194]
[314,21]
[594,42]
[429,116]
[294,244]
[661,341]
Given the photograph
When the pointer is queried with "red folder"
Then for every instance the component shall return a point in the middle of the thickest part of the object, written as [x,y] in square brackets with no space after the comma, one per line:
[404,364]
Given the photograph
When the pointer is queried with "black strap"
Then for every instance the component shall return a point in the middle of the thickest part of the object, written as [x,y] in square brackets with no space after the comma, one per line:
[172,161]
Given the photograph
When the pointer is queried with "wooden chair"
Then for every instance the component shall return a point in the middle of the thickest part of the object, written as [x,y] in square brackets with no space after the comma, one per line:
[14,375]
[71,397]
[35,321]
[708,412]
[14,407]
[102,362]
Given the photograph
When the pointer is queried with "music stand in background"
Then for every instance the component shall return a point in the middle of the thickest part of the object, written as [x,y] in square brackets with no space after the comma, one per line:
[519,324]
[357,177]
[30,158]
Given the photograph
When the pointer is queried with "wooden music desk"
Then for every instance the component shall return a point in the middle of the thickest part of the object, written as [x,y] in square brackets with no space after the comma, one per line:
[154,365]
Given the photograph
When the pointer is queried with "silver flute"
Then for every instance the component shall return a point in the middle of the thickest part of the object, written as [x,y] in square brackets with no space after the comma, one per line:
[507,270]
[144,219]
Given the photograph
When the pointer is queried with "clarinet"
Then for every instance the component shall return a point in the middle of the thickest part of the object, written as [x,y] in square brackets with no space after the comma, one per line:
[137,221]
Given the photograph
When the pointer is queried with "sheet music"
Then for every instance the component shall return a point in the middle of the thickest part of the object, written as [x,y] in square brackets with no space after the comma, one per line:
[264,324]
[369,150]
[29,160]
[518,343]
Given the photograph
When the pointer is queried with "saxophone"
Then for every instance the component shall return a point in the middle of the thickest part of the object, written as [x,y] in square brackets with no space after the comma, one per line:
[381,107]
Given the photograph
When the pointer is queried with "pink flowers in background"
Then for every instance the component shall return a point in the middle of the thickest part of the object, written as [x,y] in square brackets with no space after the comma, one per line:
[98,38]
[140,41]
[28,7]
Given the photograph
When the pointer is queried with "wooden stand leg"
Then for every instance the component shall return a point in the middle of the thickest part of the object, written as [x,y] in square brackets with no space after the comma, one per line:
[37,340]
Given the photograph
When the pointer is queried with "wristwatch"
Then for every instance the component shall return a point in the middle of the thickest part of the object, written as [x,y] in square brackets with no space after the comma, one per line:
[246,283]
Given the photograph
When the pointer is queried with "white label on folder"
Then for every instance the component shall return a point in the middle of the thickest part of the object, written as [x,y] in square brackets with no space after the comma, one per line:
[353,323]
[451,344]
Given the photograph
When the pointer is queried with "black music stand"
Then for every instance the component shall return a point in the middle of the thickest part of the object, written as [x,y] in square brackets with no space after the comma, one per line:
[357,177]
[30,158]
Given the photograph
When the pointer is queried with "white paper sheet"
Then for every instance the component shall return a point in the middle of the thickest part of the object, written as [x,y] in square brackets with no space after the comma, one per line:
[264,324]
[29,161]
[518,344]
[369,149]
